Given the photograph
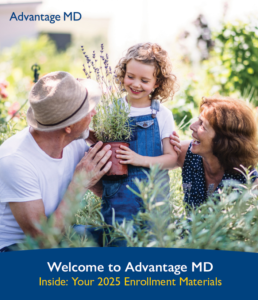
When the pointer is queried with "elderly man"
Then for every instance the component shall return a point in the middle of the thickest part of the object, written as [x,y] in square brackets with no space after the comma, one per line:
[38,163]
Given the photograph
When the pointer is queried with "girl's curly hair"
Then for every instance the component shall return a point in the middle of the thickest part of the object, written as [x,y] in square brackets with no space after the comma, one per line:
[151,54]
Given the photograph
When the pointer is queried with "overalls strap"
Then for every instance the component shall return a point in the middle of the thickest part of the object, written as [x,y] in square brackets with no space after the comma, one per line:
[155,105]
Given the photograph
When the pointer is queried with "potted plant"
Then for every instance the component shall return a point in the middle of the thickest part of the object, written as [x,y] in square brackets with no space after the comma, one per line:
[111,123]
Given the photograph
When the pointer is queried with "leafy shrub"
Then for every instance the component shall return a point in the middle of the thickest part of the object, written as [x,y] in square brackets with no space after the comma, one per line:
[185,106]
[230,224]
[233,66]
[15,67]
[7,128]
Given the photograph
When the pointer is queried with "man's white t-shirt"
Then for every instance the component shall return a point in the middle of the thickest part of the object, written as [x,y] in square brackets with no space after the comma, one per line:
[27,173]
[164,117]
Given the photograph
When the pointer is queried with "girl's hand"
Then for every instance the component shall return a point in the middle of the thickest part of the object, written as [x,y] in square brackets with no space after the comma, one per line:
[129,157]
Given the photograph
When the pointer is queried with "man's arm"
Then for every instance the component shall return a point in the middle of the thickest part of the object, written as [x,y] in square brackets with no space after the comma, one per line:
[27,214]
[92,167]
[30,213]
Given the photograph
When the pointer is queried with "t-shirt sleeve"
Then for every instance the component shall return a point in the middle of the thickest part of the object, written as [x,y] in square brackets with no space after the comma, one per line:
[18,180]
[167,123]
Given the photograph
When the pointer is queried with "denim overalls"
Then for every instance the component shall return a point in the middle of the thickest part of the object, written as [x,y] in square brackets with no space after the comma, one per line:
[117,199]
[145,141]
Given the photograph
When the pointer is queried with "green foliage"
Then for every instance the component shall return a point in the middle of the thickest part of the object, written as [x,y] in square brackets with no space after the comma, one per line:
[229,224]
[111,123]
[7,130]
[89,211]
[233,66]
[73,211]
[16,62]
[185,106]
[15,67]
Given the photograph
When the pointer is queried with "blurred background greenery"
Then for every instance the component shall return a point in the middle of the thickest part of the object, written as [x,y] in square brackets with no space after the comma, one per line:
[228,66]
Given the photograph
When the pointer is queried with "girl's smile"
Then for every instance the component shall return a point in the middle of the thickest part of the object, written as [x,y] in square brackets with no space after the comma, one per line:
[135,92]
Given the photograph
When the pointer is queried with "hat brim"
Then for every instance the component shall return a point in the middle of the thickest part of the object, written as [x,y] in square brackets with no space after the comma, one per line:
[92,100]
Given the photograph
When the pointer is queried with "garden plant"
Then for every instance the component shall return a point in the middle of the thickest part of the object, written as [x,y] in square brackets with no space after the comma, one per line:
[228,224]
[111,123]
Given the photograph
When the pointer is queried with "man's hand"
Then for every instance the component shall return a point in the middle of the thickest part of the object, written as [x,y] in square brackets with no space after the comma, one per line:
[129,157]
[94,165]
[175,141]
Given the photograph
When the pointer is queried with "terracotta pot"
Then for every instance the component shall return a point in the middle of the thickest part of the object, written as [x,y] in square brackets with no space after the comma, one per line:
[117,170]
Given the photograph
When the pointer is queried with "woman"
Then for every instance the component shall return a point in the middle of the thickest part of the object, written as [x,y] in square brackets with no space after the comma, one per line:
[224,138]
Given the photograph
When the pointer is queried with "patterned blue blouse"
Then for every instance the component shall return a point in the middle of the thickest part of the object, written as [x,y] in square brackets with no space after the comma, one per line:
[194,184]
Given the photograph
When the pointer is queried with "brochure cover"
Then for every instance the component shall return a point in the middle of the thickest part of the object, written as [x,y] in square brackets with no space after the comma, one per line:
[128,149]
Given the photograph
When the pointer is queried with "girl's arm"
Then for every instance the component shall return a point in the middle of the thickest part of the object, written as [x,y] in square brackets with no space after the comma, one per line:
[166,161]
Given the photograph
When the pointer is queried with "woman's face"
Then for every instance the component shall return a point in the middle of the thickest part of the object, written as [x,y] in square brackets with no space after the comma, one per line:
[202,135]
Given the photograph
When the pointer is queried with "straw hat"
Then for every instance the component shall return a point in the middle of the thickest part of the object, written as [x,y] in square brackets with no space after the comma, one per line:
[58,100]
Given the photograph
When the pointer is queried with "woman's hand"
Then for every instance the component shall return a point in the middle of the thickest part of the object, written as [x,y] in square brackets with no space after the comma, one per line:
[175,141]
[129,157]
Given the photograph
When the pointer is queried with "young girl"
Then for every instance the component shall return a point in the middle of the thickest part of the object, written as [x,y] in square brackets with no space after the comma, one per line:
[146,74]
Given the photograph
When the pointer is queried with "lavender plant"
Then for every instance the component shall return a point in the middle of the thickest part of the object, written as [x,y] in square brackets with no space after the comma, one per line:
[111,123]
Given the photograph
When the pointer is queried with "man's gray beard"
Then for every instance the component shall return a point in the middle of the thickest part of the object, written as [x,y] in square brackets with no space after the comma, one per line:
[85,134]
